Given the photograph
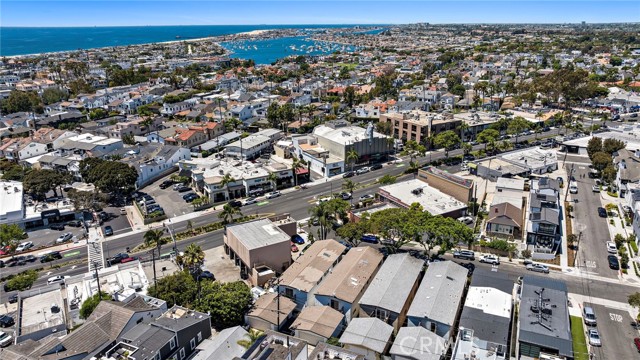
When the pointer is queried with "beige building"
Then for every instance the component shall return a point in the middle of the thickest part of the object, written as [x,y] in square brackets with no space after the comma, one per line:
[318,323]
[453,185]
[261,248]
[302,278]
[342,289]
[264,314]
[419,125]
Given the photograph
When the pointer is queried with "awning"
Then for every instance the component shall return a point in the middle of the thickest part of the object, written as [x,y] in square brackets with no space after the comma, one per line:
[302,171]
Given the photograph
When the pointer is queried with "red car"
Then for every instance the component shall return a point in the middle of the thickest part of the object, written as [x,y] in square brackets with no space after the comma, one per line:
[294,248]
[636,341]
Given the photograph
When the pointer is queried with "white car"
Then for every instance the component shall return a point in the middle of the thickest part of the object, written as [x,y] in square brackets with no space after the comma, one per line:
[611,247]
[490,259]
[363,170]
[322,200]
[5,339]
[594,337]
[56,280]
[249,201]
[24,246]
[573,189]
[273,194]
[64,238]
[596,188]
[468,220]
[345,195]
[366,197]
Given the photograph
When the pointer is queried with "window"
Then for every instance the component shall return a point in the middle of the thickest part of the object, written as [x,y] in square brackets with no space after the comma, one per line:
[335,304]
[433,327]
[193,343]
[200,336]
[172,343]
[182,353]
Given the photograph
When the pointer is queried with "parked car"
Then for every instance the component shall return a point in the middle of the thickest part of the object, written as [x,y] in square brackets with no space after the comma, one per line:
[74,223]
[108,230]
[5,339]
[589,316]
[177,186]
[376,167]
[123,211]
[183,188]
[54,255]
[490,259]
[13,299]
[24,246]
[573,188]
[59,227]
[611,247]
[273,194]
[636,342]
[58,279]
[189,197]
[6,321]
[595,188]
[294,248]
[64,238]
[165,184]
[464,254]
[117,259]
[602,212]
[538,268]
[207,275]
[348,174]
[345,195]
[297,239]
[370,238]
[470,267]
[366,197]
[468,220]
[614,264]
[594,337]
[250,200]
[363,170]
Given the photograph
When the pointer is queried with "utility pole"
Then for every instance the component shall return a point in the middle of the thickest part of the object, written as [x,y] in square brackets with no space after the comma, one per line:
[566,195]
[153,257]
[95,268]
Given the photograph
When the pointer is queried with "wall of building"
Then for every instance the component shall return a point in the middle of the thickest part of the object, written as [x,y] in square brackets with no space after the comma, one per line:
[459,192]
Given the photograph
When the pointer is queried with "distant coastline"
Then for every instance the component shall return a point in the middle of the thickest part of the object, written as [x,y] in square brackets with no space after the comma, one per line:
[22,41]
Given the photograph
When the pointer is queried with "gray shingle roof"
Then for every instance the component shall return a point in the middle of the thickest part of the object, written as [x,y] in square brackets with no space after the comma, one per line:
[393,283]
[371,333]
[223,346]
[418,343]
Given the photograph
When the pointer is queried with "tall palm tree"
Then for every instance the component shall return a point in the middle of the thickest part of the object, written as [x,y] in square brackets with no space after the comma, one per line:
[193,257]
[352,157]
[226,180]
[228,212]
[152,237]
[295,165]
[321,214]
[273,178]
[253,335]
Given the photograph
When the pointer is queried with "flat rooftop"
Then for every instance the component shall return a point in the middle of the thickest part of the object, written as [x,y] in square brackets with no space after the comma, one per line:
[533,158]
[37,311]
[344,135]
[417,191]
[258,233]
[10,198]
[629,134]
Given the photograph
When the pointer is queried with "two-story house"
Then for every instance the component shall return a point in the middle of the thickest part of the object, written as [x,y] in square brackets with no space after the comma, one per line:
[543,227]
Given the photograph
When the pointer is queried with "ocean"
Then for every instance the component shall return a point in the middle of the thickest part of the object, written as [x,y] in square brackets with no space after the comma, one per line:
[24,41]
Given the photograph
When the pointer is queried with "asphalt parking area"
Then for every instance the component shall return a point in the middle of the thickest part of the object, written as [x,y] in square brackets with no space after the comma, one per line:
[170,200]
[616,333]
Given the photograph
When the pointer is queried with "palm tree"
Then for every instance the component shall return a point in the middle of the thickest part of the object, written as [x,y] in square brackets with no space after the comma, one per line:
[322,215]
[463,127]
[228,212]
[349,186]
[152,237]
[352,157]
[193,257]
[295,165]
[273,178]
[253,335]
[226,180]
[190,226]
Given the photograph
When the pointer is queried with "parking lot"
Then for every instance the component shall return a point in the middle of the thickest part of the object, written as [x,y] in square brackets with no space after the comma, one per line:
[170,200]
[616,333]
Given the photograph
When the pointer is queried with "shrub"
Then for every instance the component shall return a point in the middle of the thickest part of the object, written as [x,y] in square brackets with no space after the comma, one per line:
[91,303]
[22,281]
[498,244]
[526,253]
[634,247]
[619,240]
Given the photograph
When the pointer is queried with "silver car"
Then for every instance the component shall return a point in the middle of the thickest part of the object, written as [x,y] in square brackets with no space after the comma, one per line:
[594,337]
[538,268]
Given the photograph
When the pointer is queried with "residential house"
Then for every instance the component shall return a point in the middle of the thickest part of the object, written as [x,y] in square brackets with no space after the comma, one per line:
[302,278]
[317,324]
[248,148]
[260,247]
[392,289]
[169,109]
[418,343]
[543,328]
[346,283]
[370,337]
[222,346]
[277,346]
[544,233]
[324,351]
[505,220]
[438,302]
[152,161]
[628,165]
[270,313]
[241,112]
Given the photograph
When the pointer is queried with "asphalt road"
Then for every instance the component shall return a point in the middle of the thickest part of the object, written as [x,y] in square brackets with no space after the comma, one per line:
[592,253]
[616,334]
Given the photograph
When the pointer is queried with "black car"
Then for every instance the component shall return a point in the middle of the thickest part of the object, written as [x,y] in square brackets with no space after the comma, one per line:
[207,275]
[602,212]
[104,216]
[117,259]
[376,166]
[6,321]
[348,174]
[235,203]
[184,189]
[30,258]
[58,227]
[13,299]
[74,223]
[108,231]
[470,267]
[165,184]
[54,255]
[614,264]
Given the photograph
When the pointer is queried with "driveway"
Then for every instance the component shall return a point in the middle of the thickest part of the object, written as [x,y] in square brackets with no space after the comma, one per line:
[616,333]
[592,253]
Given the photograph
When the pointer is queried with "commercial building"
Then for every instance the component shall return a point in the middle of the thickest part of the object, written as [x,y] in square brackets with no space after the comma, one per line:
[543,326]
[41,313]
[261,248]
[305,274]
[419,125]
[392,290]
[438,302]
[11,202]
[253,145]
[517,163]
[346,283]
[453,185]
[405,193]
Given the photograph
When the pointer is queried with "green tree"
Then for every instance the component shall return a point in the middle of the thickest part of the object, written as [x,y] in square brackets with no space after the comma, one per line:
[152,237]
[609,174]
[192,258]
[413,150]
[252,336]
[352,157]
[91,303]
[295,165]
[274,115]
[53,95]
[517,125]
[488,137]
[22,281]
[349,96]
[19,101]
[228,212]
[447,140]
[387,179]
[10,234]
[634,301]
[40,182]
[612,145]
[179,288]
[601,160]
[226,180]
[83,200]
[273,179]
[226,303]
[594,146]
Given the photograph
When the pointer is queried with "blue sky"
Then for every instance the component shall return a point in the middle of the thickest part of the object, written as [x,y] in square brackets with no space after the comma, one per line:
[239,12]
